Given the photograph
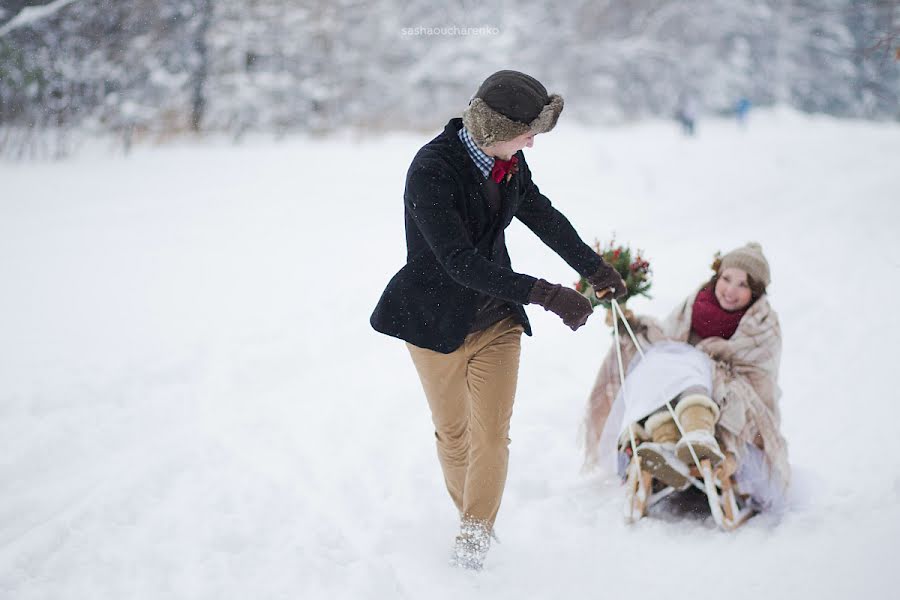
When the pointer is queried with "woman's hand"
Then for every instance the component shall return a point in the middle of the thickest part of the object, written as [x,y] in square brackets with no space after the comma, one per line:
[717,348]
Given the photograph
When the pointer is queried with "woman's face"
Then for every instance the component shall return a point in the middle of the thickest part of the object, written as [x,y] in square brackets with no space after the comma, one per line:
[732,289]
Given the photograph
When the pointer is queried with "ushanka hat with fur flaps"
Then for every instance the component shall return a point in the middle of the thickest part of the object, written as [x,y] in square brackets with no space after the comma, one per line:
[508,104]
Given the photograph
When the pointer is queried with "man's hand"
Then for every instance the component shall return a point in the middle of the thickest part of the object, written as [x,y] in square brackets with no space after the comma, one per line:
[572,307]
[606,278]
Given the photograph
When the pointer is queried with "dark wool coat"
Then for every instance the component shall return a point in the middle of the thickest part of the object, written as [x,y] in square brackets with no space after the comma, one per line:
[456,251]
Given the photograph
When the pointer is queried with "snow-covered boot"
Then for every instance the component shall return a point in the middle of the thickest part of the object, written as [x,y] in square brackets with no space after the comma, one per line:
[472,545]
[658,455]
[698,415]
[640,435]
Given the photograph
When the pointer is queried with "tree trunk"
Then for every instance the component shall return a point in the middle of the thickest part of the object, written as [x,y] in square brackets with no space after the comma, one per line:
[198,97]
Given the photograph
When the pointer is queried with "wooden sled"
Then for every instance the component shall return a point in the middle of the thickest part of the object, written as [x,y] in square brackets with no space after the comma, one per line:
[729,510]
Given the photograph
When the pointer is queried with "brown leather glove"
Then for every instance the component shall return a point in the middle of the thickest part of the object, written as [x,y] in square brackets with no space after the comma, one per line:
[572,307]
[607,277]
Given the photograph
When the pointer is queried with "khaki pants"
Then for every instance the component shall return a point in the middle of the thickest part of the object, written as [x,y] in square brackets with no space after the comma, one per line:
[470,392]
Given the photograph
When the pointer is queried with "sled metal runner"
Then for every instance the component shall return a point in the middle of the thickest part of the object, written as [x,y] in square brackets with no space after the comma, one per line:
[729,509]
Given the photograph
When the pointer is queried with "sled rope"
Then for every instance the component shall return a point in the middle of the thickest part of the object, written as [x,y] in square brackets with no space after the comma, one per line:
[634,455]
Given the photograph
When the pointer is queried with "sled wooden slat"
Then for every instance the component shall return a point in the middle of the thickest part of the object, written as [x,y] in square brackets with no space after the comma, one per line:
[631,491]
[712,495]
[645,491]
[660,495]
[728,501]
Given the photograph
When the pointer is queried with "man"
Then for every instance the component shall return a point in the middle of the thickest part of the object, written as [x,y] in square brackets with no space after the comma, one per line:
[458,303]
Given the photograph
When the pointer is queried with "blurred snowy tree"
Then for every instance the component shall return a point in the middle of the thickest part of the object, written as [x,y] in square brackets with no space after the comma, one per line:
[876,31]
[153,67]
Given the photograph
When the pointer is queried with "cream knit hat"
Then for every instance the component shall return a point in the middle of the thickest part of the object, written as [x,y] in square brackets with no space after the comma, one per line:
[750,259]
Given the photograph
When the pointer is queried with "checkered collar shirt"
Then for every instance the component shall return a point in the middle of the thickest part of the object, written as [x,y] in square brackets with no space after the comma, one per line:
[484,162]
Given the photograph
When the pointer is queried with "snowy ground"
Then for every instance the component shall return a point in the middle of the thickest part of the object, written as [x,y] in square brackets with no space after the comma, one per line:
[193,405]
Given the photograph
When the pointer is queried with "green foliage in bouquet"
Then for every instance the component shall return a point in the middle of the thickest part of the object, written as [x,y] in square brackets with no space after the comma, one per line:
[630,265]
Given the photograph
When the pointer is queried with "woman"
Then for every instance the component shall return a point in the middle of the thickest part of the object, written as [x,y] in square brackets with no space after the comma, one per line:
[729,319]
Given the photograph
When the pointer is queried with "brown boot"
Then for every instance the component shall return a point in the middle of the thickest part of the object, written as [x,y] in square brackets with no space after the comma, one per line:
[640,435]
[661,427]
[698,415]
[658,455]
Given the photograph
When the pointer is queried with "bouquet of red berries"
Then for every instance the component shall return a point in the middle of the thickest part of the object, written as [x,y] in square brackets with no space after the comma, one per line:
[631,265]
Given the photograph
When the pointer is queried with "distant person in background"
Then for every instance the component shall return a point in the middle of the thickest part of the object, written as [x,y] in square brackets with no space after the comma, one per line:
[457,302]
[741,109]
[686,114]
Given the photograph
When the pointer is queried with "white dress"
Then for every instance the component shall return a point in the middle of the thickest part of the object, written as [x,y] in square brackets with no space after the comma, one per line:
[667,369]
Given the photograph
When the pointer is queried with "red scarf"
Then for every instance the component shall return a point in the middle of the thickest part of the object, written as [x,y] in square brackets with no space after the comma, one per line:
[502,167]
[709,319]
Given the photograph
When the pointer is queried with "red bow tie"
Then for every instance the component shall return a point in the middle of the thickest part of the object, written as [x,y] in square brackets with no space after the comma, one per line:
[502,167]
